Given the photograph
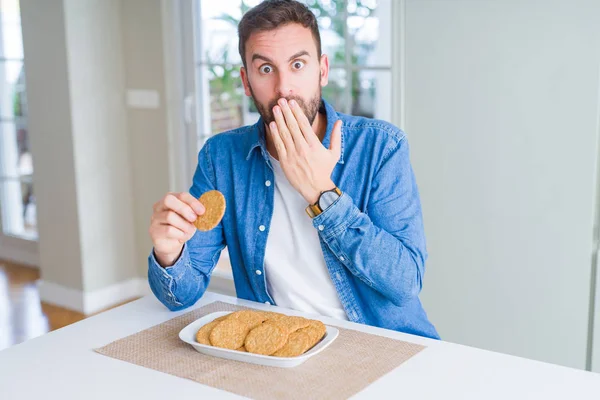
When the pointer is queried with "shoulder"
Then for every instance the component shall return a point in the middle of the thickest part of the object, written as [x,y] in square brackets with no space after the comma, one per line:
[382,134]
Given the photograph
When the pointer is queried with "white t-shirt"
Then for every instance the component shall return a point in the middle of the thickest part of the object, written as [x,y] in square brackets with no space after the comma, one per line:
[296,273]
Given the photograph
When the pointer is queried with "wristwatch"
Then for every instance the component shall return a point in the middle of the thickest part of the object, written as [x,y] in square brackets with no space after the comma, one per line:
[326,199]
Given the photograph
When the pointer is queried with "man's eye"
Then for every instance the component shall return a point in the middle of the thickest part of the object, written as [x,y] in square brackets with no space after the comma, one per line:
[298,64]
[266,69]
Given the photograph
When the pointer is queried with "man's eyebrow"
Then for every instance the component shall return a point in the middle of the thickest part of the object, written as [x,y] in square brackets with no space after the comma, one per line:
[299,54]
[257,56]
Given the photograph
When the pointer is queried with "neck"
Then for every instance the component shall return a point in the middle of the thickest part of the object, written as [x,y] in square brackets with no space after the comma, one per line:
[319,127]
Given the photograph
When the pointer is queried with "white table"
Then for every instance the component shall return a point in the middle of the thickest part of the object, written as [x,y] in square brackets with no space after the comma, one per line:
[62,365]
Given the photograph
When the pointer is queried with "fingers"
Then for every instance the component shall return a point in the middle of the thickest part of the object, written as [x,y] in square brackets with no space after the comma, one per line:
[292,125]
[171,218]
[193,202]
[174,202]
[282,129]
[161,232]
[278,142]
[302,121]
[335,146]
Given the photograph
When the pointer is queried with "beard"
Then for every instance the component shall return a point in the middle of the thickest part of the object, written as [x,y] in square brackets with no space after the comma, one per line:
[310,108]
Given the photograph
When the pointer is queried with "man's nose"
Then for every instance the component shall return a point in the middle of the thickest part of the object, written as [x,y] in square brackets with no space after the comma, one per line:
[284,85]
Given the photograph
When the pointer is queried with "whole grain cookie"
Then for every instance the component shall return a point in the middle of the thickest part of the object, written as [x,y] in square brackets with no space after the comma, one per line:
[291,323]
[202,336]
[315,331]
[214,203]
[266,338]
[250,316]
[298,342]
[222,318]
[231,332]
[203,333]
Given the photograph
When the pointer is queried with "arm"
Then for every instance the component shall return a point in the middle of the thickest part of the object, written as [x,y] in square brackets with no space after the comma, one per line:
[384,247]
[180,285]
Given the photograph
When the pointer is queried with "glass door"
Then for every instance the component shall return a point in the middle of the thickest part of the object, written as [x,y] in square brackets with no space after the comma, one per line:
[18,227]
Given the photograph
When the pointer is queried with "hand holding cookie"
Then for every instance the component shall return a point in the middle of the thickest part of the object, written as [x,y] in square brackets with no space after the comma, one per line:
[176,218]
[172,225]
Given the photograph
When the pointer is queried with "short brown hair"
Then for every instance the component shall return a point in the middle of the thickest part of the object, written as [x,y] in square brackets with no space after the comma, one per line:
[272,14]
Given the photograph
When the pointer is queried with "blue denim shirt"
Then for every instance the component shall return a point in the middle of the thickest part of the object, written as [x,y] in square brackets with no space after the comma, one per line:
[372,237]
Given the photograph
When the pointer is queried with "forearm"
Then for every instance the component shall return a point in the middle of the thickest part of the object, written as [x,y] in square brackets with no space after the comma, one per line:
[180,285]
[392,265]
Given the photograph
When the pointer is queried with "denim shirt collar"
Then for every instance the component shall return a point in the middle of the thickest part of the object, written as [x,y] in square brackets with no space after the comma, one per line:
[256,136]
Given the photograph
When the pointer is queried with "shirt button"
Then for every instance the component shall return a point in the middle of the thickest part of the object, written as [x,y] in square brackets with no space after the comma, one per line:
[321,227]
[258,272]
[268,303]
[268,183]
[261,228]
[342,259]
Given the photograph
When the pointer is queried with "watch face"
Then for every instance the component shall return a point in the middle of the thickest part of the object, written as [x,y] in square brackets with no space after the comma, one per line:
[327,199]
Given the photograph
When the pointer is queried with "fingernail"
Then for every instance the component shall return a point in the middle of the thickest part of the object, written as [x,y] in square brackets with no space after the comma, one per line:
[276,110]
[272,125]
[282,101]
[192,217]
[293,103]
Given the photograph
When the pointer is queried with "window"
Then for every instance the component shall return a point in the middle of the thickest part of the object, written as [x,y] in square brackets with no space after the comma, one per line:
[17,201]
[355,34]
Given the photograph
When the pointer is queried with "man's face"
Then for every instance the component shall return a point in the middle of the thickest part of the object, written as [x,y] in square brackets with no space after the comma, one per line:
[284,63]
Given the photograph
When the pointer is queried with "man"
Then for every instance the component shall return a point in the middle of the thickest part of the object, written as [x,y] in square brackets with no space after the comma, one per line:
[360,252]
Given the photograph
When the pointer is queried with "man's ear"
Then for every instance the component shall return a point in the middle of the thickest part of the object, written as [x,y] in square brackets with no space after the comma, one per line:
[244,76]
[324,69]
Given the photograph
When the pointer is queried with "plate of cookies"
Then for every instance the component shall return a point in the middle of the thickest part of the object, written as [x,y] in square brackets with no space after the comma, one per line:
[259,337]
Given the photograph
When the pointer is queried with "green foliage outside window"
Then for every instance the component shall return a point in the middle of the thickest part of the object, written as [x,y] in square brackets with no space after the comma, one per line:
[225,84]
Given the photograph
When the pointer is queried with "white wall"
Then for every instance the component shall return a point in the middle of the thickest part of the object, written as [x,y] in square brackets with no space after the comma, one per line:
[144,60]
[501,102]
[50,124]
[99,167]
[101,143]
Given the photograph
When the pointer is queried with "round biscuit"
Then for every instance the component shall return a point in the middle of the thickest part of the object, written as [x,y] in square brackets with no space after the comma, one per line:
[297,343]
[251,317]
[203,333]
[214,203]
[315,330]
[291,323]
[266,339]
[229,334]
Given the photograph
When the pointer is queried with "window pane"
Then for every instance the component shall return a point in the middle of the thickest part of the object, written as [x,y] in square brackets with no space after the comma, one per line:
[219,21]
[17,202]
[372,94]
[18,208]
[12,40]
[369,26]
[331,27]
[224,106]
[334,92]
[16,190]
[13,101]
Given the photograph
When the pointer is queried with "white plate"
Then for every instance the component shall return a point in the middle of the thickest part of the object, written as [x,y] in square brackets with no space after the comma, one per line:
[188,335]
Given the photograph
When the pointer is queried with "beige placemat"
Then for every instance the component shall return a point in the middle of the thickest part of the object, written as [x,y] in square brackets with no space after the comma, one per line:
[352,362]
